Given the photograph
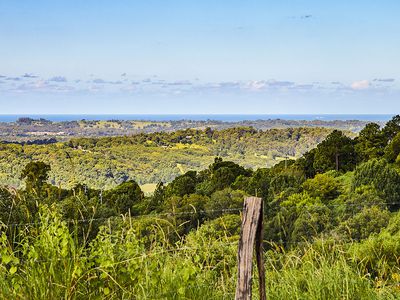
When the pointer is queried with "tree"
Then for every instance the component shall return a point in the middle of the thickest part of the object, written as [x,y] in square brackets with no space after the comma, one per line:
[241,183]
[222,227]
[392,128]
[186,212]
[234,168]
[157,199]
[259,183]
[280,226]
[362,225]
[311,222]
[306,163]
[322,186]
[392,150]
[281,182]
[35,175]
[370,142]
[209,132]
[182,185]
[220,175]
[383,177]
[362,197]
[125,197]
[226,199]
[336,152]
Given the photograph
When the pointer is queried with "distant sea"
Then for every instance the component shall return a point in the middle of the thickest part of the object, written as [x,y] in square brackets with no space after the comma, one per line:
[198,117]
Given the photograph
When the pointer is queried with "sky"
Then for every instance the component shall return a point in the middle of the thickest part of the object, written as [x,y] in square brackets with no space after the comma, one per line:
[199,57]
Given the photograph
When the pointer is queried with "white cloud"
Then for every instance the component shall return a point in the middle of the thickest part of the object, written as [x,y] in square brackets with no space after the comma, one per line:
[256,85]
[360,85]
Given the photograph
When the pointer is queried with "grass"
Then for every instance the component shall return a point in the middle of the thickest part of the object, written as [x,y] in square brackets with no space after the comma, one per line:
[48,262]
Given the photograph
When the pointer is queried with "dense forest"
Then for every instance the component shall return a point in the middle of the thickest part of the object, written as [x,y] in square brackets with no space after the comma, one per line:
[332,222]
[103,163]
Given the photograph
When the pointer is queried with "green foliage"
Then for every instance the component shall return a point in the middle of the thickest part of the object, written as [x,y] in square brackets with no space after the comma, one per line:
[35,175]
[360,226]
[10,212]
[378,255]
[383,177]
[182,185]
[126,197]
[392,128]
[392,150]
[353,202]
[119,264]
[322,186]
[281,182]
[306,163]
[103,163]
[186,212]
[312,221]
[220,175]
[336,152]
[156,200]
[227,199]
[224,174]
[370,142]
[226,226]
[300,201]
[259,183]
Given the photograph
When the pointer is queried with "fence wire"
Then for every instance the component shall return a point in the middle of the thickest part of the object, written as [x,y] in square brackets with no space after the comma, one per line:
[211,211]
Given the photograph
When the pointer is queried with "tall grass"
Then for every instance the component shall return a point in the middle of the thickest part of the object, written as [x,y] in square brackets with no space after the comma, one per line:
[50,262]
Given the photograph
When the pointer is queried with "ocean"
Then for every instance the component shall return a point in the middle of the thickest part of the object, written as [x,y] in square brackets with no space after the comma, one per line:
[202,117]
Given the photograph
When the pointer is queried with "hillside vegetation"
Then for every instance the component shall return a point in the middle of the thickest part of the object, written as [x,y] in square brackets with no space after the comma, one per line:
[103,163]
[332,228]
[40,131]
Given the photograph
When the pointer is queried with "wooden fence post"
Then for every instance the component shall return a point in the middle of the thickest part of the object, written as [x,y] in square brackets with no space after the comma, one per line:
[251,235]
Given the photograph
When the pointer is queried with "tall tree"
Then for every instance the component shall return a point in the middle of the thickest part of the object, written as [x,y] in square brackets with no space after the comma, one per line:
[392,128]
[35,175]
[125,197]
[336,152]
[392,150]
[370,143]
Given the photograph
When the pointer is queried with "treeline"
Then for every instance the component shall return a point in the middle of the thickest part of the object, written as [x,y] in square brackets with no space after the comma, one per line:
[103,163]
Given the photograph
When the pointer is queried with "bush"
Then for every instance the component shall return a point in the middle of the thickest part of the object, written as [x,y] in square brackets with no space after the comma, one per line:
[383,177]
[322,186]
[360,226]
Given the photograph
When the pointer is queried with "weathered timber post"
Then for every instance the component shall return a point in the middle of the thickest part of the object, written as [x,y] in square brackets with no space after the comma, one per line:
[251,235]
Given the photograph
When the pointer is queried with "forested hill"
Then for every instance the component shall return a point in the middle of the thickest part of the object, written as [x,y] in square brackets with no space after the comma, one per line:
[30,130]
[150,158]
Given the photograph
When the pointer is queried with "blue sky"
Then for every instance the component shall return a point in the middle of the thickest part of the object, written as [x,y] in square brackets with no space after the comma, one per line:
[205,56]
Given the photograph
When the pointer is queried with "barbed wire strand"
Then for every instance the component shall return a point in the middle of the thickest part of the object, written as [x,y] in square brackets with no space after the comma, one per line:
[193,212]
[164,214]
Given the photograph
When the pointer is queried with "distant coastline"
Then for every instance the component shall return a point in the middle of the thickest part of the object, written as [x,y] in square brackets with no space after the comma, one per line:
[199,117]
